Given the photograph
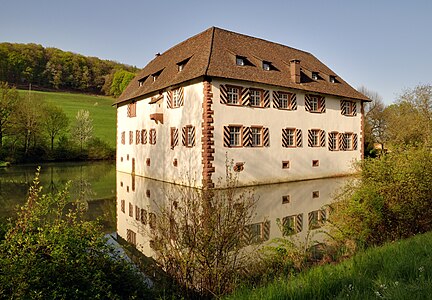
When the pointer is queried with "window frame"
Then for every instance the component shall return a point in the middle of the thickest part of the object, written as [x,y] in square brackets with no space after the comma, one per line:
[293,144]
[131,110]
[261,97]
[333,136]
[315,134]
[176,96]
[260,135]
[231,94]
[239,134]
[348,141]
[189,143]
[314,99]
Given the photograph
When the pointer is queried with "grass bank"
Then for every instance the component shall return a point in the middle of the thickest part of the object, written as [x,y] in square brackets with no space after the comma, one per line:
[400,270]
[101,111]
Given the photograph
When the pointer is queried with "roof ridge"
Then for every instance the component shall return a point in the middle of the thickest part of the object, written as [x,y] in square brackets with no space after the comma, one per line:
[211,50]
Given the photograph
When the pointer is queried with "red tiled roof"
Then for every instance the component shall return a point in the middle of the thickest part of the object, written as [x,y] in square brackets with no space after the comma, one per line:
[213,52]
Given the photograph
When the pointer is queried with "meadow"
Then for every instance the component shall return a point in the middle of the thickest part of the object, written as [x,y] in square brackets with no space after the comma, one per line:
[101,110]
[398,270]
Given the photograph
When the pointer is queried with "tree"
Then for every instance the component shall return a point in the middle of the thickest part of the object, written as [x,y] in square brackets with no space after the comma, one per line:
[26,122]
[54,122]
[83,127]
[410,118]
[120,82]
[50,252]
[199,235]
[375,119]
[8,102]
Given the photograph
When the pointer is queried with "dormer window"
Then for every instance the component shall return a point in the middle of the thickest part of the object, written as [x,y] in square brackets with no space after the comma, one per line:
[240,61]
[156,75]
[181,65]
[332,79]
[140,82]
[266,65]
[315,75]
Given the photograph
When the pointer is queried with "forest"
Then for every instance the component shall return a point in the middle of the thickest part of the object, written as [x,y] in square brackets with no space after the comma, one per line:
[54,69]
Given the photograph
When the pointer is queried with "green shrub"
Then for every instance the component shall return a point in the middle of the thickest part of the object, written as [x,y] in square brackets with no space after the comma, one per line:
[391,200]
[50,252]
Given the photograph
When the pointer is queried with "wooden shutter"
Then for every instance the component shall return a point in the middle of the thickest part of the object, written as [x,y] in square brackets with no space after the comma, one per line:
[245,97]
[266,231]
[184,136]
[343,107]
[322,138]
[266,98]
[331,145]
[174,137]
[266,137]
[354,141]
[354,108]
[247,136]
[223,94]
[276,100]
[307,103]
[299,223]
[284,137]
[226,136]
[192,136]
[144,136]
[299,138]
[310,138]
[293,102]
[137,136]
[342,144]
[169,99]
[322,106]
[181,96]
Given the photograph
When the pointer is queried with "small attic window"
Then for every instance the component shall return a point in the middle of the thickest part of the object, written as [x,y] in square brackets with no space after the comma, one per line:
[240,60]
[332,79]
[142,80]
[315,75]
[182,64]
[266,65]
[156,75]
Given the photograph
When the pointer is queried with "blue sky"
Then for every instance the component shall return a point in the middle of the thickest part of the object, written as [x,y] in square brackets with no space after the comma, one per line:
[383,45]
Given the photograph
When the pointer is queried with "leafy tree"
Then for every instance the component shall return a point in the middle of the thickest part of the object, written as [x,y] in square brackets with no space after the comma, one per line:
[120,81]
[8,102]
[198,237]
[83,127]
[54,122]
[50,252]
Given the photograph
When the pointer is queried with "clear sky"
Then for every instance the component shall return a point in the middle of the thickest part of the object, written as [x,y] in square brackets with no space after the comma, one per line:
[383,45]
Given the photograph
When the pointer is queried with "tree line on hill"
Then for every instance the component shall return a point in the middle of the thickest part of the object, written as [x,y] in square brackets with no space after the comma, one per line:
[53,69]
[33,130]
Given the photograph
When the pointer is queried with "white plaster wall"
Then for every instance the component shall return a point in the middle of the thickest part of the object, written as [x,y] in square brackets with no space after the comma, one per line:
[161,155]
[264,164]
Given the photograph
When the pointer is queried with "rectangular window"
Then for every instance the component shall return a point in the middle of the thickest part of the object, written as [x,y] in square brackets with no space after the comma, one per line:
[240,61]
[176,95]
[190,136]
[333,141]
[285,164]
[152,136]
[350,108]
[314,103]
[123,137]
[130,137]
[292,224]
[290,137]
[235,136]
[315,163]
[131,207]
[131,236]
[286,199]
[317,218]
[348,138]
[233,94]
[143,216]
[131,110]
[137,213]
[314,137]
[152,220]
[255,97]
[123,206]
[285,100]
[256,136]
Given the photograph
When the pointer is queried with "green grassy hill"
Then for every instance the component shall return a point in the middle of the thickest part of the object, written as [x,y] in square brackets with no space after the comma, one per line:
[101,111]
[400,270]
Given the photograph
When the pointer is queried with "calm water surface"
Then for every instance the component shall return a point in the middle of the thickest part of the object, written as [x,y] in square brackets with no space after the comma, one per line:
[94,182]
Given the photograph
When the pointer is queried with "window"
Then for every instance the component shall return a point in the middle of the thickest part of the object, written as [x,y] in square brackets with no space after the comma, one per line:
[314,138]
[285,164]
[131,210]
[348,141]
[315,194]
[257,232]
[333,141]
[176,98]
[143,216]
[233,94]
[148,162]
[152,220]
[255,97]
[314,103]
[137,213]
[131,110]
[152,136]
[286,199]
[332,79]
[234,136]
[130,137]
[290,137]
[123,206]
[190,136]
[266,65]
[123,137]
[292,224]
[137,136]
[284,99]
[315,75]
[131,237]
[317,218]
[315,163]
[240,61]
[256,136]
[180,67]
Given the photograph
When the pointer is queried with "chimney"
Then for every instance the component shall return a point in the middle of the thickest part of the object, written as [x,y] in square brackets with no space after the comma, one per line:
[295,70]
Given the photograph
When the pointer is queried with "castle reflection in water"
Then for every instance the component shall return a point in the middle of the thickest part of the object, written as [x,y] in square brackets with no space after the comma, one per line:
[300,207]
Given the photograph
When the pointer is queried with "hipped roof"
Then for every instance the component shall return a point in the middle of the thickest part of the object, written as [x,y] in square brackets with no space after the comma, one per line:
[212,53]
